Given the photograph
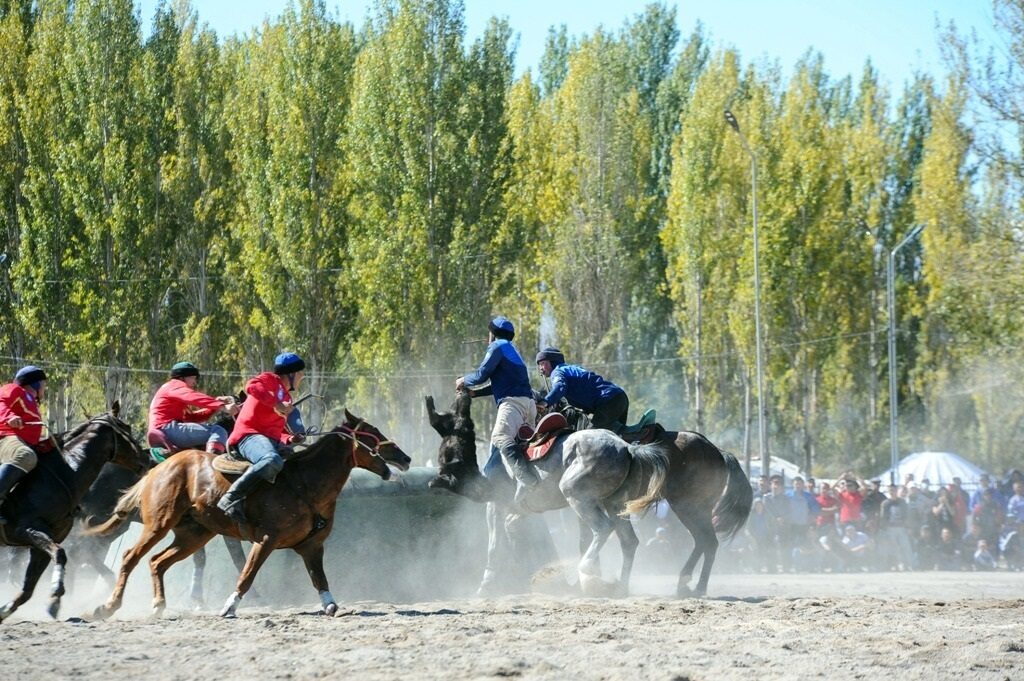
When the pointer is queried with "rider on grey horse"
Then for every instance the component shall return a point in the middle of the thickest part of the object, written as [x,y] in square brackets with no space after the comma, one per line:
[506,371]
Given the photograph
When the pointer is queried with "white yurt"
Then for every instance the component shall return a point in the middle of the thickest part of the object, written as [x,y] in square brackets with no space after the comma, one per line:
[939,468]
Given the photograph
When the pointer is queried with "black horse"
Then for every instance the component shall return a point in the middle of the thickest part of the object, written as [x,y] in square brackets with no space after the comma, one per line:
[705,487]
[41,510]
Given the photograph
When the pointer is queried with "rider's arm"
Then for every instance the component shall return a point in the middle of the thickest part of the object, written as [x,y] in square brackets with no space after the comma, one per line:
[557,388]
[487,367]
[202,405]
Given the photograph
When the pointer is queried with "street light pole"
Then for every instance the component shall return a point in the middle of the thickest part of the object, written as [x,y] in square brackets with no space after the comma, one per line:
[762,433]
[890,281]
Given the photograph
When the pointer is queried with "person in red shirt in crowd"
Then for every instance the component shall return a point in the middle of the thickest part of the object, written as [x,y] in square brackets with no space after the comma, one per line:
[21,428]
[826,520]
[850,500]
[179,411]
[260,430]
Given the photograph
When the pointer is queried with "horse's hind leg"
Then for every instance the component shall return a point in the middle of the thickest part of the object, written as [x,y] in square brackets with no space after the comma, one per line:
[188,539]
[237,553]
[37,562]
[41,541]
[150,537]
[257,556]
[195,592]
[705,543]
[591,512]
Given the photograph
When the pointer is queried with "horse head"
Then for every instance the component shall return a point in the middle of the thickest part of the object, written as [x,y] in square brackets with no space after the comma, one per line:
[458,471]
[123,450]
[371,449]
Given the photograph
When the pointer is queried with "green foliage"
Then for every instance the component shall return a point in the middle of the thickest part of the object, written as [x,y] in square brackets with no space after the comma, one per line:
[370,197]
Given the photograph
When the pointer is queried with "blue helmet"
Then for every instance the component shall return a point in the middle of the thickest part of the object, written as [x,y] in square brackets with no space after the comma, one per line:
[30,375]
[501,327]
[288,363]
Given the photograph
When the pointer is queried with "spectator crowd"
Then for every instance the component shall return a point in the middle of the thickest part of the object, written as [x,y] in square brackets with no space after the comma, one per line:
[853,525]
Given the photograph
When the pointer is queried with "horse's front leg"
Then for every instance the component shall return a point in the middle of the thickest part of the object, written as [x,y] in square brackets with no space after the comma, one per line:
[261,550]
[313,557]
[629,542]
[497,545]
[237,553]
[37,562]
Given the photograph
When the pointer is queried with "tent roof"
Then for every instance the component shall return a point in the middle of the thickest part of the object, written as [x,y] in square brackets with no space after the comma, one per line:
[938,467]
[786,469]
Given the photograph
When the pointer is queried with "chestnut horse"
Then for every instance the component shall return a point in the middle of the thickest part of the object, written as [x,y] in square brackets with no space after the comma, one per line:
[296,512]
[603,478]
[42,508]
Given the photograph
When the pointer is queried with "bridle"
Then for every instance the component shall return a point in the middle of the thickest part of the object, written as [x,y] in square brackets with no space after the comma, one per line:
[353,433]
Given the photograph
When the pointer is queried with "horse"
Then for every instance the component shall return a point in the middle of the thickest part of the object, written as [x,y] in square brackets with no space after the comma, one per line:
[296,512]
[98,506]
[42,508]
[603,479]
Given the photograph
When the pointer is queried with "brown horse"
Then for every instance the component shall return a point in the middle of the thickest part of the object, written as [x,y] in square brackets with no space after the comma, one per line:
[296,512]
[42,507]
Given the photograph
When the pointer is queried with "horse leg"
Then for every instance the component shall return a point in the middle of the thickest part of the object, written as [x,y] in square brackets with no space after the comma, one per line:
[628,541]
[257,556]
[705,543]
[195,591]
[497,543]
[41,541]
[37,562]
[188,539]
[600,524]
[150,537]
[237,554]
[313,556]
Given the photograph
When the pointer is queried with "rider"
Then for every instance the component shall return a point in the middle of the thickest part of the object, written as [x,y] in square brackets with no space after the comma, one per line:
[21,427]
[178,411]
[260,429]
[606,402]
[510,384]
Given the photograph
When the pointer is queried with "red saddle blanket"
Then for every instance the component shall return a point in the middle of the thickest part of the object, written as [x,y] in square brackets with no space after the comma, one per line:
[548,429]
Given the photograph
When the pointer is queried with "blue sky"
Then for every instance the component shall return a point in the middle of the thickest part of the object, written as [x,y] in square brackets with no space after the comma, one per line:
[899,36]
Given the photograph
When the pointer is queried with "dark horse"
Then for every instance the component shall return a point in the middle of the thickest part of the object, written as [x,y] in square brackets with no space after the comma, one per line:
[42,507]
[603,478]
[296,512]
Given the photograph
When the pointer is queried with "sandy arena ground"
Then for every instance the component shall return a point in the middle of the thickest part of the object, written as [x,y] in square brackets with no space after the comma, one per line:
[904,626]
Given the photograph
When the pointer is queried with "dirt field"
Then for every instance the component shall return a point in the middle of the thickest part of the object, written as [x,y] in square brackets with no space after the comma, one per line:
[905,626]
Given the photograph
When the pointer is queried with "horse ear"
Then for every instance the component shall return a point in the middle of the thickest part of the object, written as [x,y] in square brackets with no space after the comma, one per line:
[349,417]
[115,408]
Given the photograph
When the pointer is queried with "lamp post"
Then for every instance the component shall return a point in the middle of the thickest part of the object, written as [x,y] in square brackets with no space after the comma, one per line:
[762,435]
[890,281]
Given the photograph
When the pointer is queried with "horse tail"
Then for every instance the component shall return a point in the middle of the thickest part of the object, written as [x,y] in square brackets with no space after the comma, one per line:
[128,502]
[653,461]
[733,508]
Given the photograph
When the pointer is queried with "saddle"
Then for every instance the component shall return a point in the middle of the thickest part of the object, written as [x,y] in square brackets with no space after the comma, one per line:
[233,463]
[159,446]
[547,431]
[644,431]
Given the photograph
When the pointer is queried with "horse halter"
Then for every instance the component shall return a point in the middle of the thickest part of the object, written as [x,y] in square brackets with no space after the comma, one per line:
[354,433]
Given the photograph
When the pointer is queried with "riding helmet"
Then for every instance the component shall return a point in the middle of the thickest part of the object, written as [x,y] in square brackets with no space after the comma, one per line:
[288,363]
[183,369]
[30,375]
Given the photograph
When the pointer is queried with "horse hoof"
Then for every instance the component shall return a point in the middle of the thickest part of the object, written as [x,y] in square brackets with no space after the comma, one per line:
[53,608]
[331,609]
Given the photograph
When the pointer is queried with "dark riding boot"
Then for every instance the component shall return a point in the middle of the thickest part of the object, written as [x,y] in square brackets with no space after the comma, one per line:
[9,477]
[233,501]
[522,470]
